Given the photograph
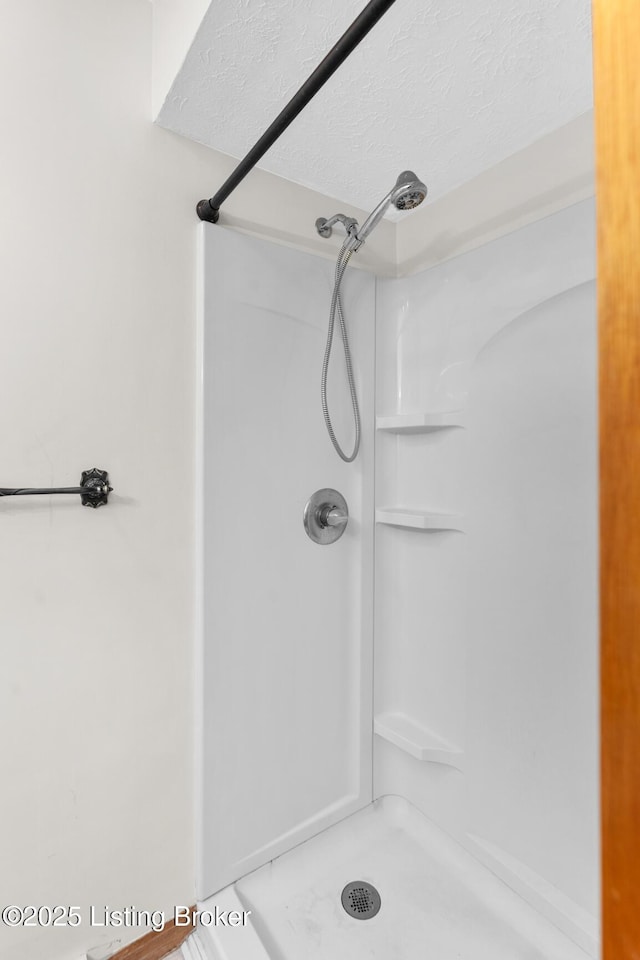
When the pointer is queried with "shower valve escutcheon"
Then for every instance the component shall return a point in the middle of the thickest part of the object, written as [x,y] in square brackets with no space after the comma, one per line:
[326,516]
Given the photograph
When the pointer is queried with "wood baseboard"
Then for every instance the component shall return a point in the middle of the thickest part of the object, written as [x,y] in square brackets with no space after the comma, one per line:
[155,946]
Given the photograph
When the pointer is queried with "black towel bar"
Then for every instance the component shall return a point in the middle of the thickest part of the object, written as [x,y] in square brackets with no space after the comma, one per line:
[94,489]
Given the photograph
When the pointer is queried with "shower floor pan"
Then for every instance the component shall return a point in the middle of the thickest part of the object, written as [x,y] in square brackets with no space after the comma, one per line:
[437,901]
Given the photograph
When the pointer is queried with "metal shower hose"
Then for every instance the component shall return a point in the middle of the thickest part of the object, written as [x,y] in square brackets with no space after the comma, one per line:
[336,307]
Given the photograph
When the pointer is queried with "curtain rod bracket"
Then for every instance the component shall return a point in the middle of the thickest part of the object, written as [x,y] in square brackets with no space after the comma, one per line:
[207,212]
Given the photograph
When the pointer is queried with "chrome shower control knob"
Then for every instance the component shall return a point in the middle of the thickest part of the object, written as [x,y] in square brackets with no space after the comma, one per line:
[326,516]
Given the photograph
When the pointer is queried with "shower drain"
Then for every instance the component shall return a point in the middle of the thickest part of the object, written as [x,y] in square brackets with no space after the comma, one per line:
[360,900]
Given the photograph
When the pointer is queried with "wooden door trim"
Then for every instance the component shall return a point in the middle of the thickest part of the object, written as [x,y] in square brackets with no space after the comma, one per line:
[156,946]
[616,25]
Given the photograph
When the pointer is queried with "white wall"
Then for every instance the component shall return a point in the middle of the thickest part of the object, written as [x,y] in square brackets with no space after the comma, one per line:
[550,174]
[175,24]
[486,640]
[287,631]
[97,238]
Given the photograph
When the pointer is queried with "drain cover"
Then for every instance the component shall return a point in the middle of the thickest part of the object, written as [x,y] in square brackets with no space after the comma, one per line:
[360,900]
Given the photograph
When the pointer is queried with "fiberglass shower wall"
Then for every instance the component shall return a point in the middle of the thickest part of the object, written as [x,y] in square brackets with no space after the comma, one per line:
[486,632]
[484,625]
[286,625]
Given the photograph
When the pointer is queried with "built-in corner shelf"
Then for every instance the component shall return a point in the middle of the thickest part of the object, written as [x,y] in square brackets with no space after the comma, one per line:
[416,740]
[419,519]
[420,422]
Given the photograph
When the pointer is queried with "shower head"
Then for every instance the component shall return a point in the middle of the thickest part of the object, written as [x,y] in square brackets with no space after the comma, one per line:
[407,193]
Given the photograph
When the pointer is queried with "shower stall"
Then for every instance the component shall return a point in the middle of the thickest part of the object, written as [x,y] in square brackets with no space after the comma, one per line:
[398,730]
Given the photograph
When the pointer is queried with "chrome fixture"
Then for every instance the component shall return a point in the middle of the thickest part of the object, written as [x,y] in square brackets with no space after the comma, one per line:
[325,516]
[408,192]
[361,900]
[336,309]
[325,227]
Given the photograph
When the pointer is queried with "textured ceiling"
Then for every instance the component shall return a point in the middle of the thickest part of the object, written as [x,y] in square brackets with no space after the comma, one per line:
[445,87]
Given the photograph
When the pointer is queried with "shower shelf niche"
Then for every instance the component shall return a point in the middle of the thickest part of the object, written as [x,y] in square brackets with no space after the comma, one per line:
[420,422]
[420,519]
[416,740]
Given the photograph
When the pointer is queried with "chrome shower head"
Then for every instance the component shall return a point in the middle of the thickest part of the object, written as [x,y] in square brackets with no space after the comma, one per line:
[408,192]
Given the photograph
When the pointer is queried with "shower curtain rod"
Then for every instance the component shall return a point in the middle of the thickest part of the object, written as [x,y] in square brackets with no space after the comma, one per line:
[374,10]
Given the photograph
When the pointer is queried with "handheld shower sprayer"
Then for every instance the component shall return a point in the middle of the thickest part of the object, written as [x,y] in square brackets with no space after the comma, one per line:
[408,192]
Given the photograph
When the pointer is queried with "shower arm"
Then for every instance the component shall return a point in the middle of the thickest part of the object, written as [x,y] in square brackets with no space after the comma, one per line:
[357,234]
[374,10]
[325,227]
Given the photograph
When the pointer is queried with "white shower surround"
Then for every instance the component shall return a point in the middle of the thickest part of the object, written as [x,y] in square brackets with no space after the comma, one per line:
[487,641]
[287,629]
[508,73]
[485,650]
